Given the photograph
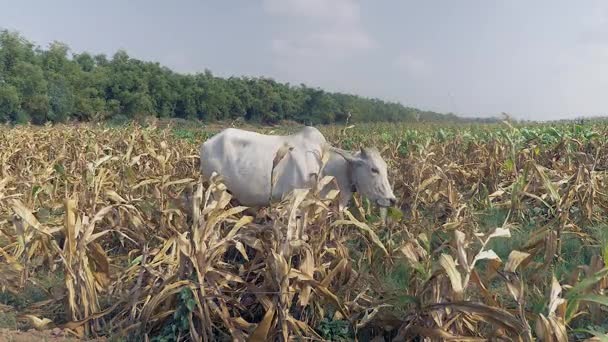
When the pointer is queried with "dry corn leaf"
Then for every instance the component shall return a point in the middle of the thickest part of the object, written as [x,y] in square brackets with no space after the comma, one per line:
[514,260]
[362,226]
[447,262]
[261,332]
[36,322]
[494,315]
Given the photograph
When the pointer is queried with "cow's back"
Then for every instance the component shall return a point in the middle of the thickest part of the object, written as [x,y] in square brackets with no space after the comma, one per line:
[295,170]
[244,159]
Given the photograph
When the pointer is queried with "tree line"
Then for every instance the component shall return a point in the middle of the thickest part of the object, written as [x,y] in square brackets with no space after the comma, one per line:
[41,85]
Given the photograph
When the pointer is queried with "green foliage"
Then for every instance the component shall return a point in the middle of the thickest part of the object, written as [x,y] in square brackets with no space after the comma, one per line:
[56,85]
[598,331]
[9,102]
[8,320]
[179,325]
[334,330]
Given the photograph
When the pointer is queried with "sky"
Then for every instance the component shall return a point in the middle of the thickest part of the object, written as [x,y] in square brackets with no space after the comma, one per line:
[535,60]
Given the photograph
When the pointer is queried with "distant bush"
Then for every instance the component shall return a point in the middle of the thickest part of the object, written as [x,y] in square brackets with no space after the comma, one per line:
[55,85]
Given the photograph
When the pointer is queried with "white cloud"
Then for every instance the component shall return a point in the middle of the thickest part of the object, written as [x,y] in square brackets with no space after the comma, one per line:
[342,10]
[412,64]
[333,44]
[328,29]
[594,25]
[179,60]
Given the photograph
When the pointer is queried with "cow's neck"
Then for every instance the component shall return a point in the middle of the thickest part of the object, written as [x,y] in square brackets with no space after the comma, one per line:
[338,167]
[351,179]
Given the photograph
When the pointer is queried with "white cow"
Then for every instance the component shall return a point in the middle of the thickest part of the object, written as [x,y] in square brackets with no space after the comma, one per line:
[244,159]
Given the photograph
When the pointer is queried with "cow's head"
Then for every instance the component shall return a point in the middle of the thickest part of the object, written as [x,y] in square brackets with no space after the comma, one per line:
[368,172]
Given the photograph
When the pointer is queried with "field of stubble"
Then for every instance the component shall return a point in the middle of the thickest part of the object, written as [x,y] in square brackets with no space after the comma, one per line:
[501,233]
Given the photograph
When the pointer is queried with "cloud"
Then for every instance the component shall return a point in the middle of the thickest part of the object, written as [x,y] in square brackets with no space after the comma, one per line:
[179,60]
[343,10]
[333,44]
[594,26]
[329,29]
[412,64]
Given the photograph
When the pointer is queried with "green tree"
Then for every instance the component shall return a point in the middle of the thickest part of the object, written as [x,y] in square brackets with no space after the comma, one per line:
[29,80]
[85,61]
[55,85]
[9,102]
[61,101]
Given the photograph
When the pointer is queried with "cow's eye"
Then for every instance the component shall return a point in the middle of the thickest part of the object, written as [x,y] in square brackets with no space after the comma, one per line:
[374,170]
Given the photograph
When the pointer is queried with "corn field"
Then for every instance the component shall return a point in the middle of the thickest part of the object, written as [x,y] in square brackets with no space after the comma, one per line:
[500,233]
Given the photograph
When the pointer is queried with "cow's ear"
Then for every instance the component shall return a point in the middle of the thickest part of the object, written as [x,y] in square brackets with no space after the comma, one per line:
[363,152]
[356,161]
[349,157]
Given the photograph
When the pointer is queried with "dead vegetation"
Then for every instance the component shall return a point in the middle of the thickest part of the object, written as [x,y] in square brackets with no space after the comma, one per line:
[141,247]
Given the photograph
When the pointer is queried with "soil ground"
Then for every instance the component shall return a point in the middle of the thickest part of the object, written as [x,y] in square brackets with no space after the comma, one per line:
[54,335]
